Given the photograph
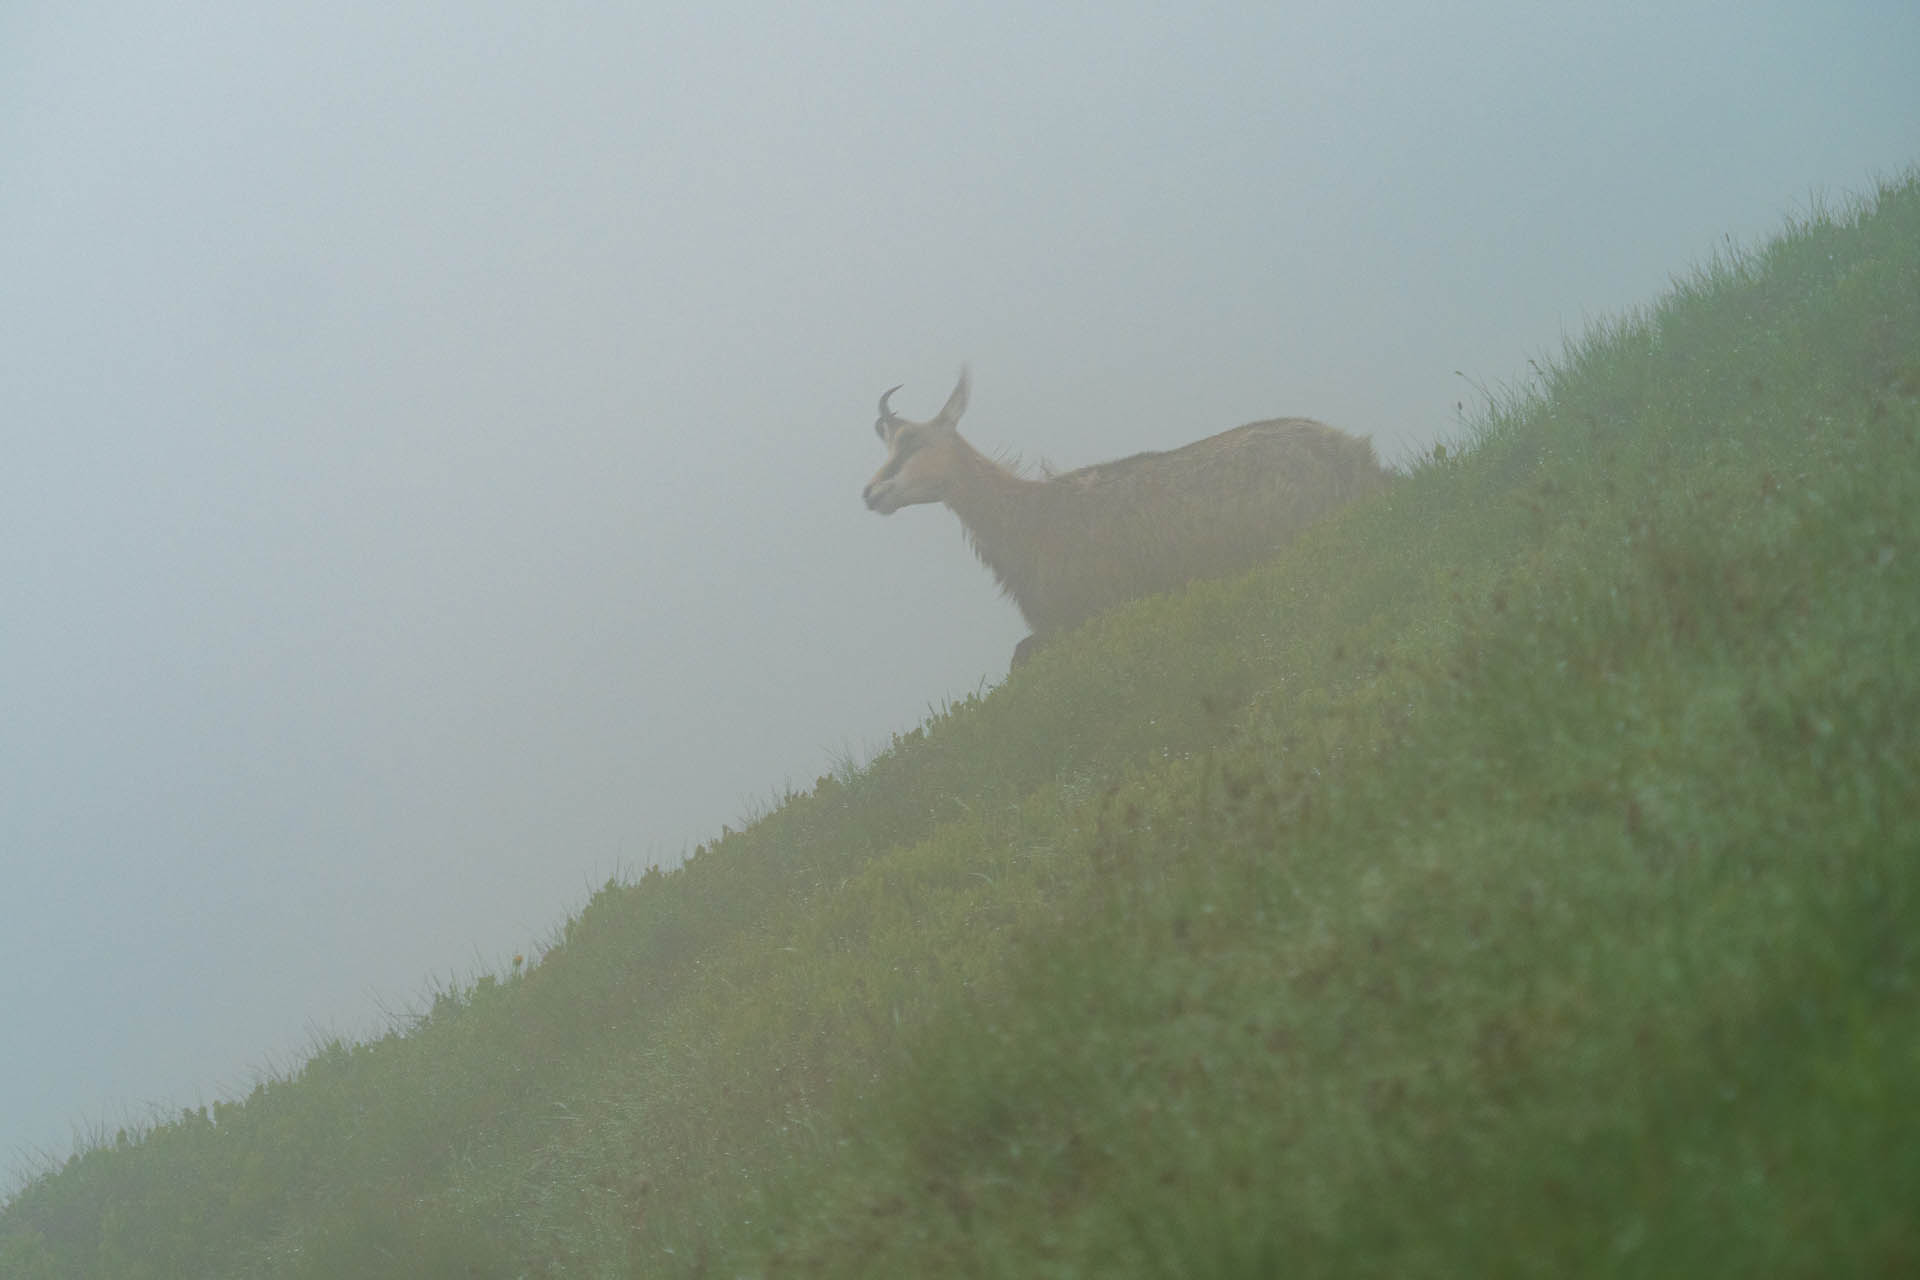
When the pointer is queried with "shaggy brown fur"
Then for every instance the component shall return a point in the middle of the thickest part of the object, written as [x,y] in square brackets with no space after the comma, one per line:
[1076,544]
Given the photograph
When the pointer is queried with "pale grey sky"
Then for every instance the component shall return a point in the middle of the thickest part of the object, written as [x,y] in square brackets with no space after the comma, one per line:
[433,432]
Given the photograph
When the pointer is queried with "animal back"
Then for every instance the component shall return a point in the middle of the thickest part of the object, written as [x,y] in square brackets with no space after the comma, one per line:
[1153,521]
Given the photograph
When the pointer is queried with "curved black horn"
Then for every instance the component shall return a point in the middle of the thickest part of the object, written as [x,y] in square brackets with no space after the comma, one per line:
[886,412]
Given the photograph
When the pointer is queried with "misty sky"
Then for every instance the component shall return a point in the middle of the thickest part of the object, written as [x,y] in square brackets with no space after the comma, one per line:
[434,432]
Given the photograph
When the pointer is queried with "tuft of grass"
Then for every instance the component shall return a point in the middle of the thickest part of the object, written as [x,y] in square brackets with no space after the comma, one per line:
[1516,877]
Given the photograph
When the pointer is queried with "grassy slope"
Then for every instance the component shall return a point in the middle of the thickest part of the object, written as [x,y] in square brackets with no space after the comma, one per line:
[1519,877]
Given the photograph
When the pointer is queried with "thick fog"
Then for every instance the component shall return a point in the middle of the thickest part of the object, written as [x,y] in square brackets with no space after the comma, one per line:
[434,432]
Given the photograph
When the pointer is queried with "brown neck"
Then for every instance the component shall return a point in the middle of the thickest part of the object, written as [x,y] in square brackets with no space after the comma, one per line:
[1003,516]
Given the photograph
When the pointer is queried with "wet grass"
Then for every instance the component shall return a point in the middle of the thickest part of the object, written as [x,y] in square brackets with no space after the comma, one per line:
[1518,877]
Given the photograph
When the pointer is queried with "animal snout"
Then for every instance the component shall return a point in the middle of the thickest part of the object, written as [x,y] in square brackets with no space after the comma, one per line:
[876,499]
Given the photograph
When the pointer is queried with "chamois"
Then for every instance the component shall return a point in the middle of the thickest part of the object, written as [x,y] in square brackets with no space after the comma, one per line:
[1072,545]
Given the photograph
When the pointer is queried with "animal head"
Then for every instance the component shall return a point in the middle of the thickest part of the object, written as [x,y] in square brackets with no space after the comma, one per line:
[921,456]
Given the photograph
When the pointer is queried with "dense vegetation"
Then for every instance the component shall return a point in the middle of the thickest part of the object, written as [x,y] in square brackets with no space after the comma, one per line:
[1518,876]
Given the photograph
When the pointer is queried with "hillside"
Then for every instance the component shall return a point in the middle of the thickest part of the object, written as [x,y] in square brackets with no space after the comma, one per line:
[1517,876]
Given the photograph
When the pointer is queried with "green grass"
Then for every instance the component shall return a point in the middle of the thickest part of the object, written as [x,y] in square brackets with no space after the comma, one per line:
[1517,877]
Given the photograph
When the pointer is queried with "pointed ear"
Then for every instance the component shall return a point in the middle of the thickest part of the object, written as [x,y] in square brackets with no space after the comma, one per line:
[956,404]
